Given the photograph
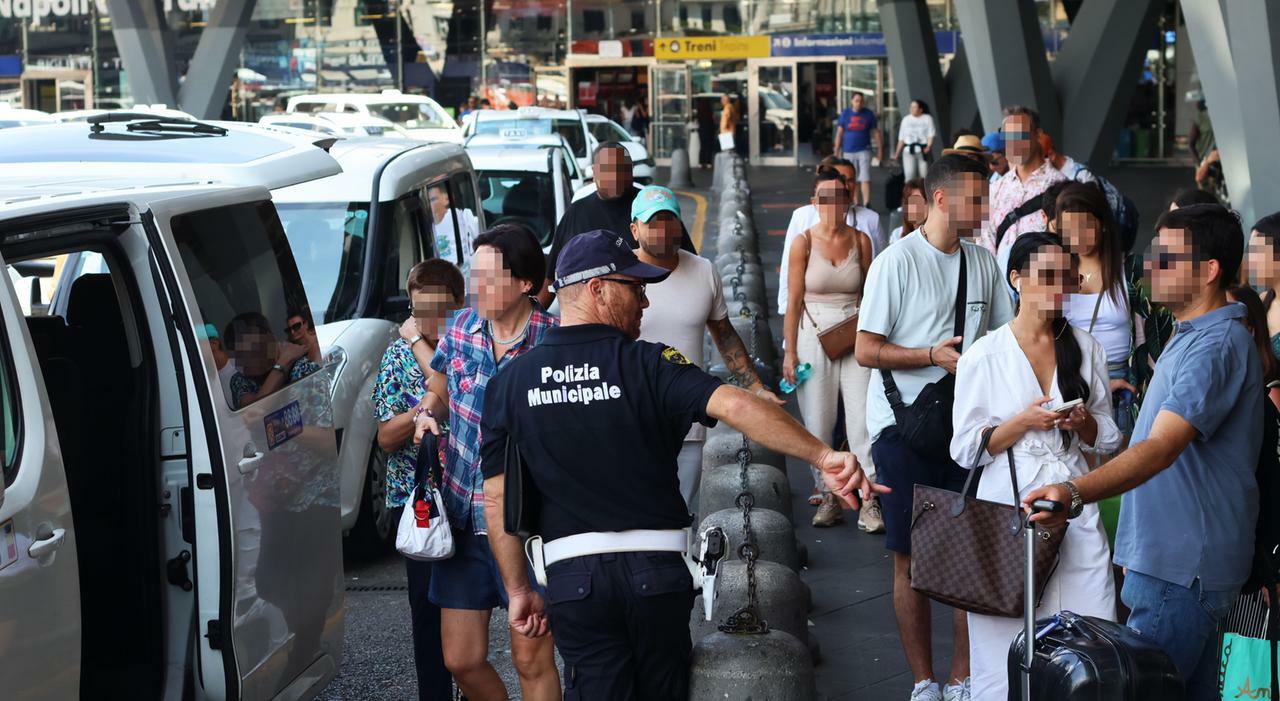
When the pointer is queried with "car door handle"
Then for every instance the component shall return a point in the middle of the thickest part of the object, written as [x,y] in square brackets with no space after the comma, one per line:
[249,463]
[40,548]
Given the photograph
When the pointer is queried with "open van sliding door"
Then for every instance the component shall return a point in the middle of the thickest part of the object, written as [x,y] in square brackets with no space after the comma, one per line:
[268,558]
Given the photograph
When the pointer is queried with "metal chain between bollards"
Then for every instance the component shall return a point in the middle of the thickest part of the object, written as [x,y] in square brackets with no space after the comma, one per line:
[746,620]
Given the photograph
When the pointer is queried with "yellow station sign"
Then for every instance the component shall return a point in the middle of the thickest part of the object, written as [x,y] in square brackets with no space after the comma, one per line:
[694,48]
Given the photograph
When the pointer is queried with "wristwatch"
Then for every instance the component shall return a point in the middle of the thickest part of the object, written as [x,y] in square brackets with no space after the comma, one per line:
[414,341]
[1077,504]
[279,367]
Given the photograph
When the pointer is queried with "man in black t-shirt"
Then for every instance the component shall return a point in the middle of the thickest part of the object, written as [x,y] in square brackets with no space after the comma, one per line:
[599,419]
[607,209]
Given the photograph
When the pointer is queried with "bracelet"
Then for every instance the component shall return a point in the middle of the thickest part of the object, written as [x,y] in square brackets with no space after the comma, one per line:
[931,363]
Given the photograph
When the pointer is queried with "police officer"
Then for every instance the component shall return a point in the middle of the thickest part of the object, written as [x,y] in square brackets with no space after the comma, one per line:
[599,420]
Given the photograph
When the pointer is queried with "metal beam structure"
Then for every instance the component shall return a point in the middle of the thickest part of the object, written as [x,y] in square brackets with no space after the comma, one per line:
[1253,30]
[1007,60]
[1096,73]
[146,48]
[964,101]
[913,58]
[204,91]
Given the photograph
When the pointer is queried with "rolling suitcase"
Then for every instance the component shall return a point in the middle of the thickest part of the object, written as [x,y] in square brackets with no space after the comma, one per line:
[1074,657]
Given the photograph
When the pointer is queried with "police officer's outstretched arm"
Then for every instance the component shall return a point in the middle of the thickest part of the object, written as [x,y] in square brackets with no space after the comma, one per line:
[770,426]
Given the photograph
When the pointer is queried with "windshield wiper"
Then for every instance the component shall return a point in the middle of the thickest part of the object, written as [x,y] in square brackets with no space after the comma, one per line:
[142,121]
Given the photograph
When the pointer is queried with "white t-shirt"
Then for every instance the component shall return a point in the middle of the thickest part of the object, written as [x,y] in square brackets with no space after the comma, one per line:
[909,298]
[916,130]
[805,218]
[447,242]
[225,373]
[679,309]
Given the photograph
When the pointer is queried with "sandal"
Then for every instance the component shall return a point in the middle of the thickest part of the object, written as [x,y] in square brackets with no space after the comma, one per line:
[815,499]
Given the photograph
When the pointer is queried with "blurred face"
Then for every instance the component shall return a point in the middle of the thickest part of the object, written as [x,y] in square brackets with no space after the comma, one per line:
[612,172]
[850,181]
[1175,277]
[496,289]
[1262,261]
[1081,231]
[965,202]
[296,330]
[831,199]
[857,101]
[622,301]
[431,308]
[998,163]
[439,200]
[660,236]
[916,208]
[256,352]
[916,111]
[1020,140]
[1049,279]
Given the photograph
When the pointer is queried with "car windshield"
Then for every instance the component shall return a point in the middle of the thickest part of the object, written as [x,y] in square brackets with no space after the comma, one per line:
[412,115]
[328,242]
[526,198]
[608,131]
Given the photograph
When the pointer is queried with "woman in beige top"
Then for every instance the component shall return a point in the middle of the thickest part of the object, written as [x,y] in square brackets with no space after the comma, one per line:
[829,261]
[728,122]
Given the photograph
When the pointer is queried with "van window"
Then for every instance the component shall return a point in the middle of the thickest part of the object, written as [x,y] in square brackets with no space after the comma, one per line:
[521,197]
[329,240]
[406,245]
[455,220]
[10,417]
[247,288]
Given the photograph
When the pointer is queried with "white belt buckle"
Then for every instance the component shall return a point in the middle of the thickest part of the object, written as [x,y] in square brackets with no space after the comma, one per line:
[533,551]
[710,553]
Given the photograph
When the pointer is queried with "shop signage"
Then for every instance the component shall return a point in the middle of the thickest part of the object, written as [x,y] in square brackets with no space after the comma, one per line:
[696,48]
[36,10]
[848,44]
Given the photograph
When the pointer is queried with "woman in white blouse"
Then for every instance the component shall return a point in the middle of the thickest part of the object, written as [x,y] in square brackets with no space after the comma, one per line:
[1012,378]
[915,141]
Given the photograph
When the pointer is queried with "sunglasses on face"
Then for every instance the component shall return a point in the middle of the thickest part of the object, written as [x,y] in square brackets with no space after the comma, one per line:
[294,327]
[638,286]
[1017,135]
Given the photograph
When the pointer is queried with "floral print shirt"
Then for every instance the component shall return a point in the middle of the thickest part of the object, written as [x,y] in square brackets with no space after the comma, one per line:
[1007,194]
[401,384]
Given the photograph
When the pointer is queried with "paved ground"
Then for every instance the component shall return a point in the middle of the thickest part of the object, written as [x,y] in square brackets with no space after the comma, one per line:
[848,572]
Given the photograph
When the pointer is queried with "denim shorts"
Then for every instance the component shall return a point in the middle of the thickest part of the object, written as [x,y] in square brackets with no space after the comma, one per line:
[901,468]
[470,580]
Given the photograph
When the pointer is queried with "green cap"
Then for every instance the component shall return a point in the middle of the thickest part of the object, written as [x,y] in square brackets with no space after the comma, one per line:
[653,199]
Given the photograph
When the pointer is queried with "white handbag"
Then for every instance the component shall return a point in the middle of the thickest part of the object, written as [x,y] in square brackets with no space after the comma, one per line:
[424,532]
[726,141]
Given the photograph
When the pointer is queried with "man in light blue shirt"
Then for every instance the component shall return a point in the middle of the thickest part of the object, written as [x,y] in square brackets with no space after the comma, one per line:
[1190,493]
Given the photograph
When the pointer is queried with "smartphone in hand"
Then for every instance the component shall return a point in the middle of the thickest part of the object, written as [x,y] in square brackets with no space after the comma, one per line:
[1066,407]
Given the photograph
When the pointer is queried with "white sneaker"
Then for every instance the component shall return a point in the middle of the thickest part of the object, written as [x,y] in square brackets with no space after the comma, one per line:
[957,692]
[926,690]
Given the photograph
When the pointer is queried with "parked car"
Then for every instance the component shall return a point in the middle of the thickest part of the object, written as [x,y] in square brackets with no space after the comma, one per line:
[522,185]
[336,124]
[577,178]
[354,258]
[169,520]
[533,121]
[419,115]
[605,129]
[17,117]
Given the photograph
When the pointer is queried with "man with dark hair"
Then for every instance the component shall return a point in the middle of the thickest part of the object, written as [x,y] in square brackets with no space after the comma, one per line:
[855,131]
[1190,505]
[1016,197]
[908,334]
[606,209]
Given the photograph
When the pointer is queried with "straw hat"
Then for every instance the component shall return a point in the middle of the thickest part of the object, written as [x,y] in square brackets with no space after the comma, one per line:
[967,145]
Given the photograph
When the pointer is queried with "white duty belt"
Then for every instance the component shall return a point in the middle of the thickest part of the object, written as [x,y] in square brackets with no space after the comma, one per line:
[703,568]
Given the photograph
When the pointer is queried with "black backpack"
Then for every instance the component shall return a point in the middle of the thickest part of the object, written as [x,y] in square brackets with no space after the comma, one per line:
[1266,562]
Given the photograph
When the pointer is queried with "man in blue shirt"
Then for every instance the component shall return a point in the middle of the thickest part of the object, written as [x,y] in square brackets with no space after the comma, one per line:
[1191,498]
[854,134]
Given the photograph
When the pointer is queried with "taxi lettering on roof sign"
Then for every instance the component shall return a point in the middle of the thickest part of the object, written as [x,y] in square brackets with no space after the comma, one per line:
[514,133]
[687,48]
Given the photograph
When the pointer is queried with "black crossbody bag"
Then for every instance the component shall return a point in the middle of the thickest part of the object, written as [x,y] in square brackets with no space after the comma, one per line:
[925,426]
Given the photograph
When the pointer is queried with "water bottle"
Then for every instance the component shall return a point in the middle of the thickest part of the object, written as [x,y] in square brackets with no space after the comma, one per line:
[803,371]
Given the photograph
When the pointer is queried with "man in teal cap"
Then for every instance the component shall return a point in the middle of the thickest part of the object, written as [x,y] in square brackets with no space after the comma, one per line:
[681,307]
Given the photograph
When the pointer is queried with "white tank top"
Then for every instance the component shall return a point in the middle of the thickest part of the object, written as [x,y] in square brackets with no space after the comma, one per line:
[1111,330]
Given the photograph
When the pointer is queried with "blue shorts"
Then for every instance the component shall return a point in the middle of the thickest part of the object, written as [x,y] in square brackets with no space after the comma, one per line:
[470,579]
[900,468]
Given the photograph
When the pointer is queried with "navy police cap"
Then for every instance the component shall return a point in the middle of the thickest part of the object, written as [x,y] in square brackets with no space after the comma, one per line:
[598,253]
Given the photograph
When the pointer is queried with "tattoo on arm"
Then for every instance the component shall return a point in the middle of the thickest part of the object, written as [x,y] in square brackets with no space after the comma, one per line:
[736,358]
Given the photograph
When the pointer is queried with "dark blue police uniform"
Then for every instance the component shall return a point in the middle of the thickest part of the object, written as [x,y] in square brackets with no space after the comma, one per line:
[600,420]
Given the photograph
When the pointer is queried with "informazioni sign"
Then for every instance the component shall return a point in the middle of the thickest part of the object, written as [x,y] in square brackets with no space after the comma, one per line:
[36,10]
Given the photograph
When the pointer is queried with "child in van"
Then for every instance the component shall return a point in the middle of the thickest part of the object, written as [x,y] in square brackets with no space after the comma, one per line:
[436,289]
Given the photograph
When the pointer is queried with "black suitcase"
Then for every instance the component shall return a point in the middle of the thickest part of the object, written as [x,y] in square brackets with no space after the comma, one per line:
[1082,657]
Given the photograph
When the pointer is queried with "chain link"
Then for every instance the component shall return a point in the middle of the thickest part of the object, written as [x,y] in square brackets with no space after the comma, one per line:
[747,620]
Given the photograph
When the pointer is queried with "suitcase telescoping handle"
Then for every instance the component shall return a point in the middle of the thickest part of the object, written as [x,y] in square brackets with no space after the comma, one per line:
[1029,593]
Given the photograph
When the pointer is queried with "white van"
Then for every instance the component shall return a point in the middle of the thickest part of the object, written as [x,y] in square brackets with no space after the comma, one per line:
[164,533]
[419,115]
[354,259]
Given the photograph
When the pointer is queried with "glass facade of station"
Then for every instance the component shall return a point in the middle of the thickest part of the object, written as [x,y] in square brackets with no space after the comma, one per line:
[607,56]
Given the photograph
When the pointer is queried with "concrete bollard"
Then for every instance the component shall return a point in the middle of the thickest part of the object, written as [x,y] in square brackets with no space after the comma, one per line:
[680,176]
[782,599]
[732,259]
[774,666]
[722,483]
[721,448]
[763,339]
[736,306]
[774,535]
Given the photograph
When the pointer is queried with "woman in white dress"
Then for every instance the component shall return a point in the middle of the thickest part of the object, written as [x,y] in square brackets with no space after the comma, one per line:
[1012,379]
